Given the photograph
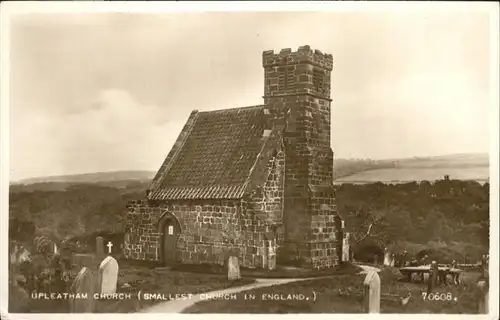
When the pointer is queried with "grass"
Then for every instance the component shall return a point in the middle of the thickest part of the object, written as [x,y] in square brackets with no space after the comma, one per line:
[142,277]
[343,294]
[166,282]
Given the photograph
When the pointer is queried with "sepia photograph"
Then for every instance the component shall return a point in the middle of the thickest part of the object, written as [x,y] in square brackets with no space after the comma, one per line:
[217,159]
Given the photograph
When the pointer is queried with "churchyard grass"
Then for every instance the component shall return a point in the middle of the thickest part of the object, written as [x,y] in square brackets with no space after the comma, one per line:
[142,277]
[162,282]
[344,294]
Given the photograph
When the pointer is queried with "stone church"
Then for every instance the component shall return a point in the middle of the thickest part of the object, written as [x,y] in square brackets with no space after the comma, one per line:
[255,182]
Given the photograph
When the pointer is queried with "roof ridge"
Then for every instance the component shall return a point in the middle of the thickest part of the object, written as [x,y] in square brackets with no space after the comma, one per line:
[233,109]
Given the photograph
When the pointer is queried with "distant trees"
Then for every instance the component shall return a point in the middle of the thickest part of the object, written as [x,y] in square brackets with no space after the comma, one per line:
[412,216]
[415,216]
[77,210]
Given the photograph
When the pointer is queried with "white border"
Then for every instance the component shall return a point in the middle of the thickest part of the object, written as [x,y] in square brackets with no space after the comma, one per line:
[10,8]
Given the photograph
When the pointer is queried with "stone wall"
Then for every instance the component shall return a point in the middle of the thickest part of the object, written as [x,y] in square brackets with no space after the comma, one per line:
[210,230]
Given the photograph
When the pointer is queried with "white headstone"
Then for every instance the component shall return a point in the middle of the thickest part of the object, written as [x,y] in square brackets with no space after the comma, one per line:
[271,260]
[345,248]
[107,278]
[372,292]
[387,257]
[233,268]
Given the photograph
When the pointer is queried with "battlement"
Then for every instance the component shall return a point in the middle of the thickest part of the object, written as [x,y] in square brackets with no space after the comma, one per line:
[304,54]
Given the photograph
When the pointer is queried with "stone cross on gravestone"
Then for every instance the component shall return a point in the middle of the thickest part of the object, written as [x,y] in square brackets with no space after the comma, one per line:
[107,278]
[372,292]
[109,245]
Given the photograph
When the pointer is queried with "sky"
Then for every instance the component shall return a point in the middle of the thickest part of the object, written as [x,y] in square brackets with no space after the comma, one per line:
[111,91]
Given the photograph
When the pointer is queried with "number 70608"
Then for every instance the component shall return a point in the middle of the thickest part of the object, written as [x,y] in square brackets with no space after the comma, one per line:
[438,296]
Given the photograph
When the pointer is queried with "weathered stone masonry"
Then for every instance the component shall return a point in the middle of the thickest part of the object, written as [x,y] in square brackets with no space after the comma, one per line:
[236,178]
[297,90]
[211,230]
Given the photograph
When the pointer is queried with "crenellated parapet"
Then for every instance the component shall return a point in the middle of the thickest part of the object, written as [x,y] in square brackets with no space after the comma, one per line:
[304,54]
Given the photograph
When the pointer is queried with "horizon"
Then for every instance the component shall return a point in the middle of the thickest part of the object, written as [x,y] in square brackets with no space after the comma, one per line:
[335,159]
[102,97]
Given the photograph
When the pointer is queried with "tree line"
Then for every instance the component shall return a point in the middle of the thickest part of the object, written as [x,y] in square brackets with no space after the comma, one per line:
[446,214]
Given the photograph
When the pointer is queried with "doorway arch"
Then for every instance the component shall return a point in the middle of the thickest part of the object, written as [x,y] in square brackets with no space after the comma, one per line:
[169,230]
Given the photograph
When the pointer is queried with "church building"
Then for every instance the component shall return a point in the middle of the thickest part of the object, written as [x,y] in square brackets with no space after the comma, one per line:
[255,182]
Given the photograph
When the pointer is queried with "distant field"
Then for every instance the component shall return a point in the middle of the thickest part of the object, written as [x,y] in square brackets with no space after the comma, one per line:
[448,161]
[458,166]
[405,174]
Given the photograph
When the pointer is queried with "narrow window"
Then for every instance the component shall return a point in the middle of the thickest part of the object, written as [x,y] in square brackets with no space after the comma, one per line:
[282,79]
[319,80]
[290,78]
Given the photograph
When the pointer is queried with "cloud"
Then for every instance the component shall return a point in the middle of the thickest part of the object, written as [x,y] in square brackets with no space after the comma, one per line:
[117,133]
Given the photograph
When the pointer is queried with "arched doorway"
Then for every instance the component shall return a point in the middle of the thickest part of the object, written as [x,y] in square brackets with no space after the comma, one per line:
[169,228]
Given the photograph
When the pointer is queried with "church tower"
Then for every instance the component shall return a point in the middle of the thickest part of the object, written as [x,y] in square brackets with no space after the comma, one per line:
[297,96]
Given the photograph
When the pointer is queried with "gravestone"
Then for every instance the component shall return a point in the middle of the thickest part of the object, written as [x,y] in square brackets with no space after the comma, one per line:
[83,285]
[99,246]
[372,292]
[433,277]
[485,266]
[233,268]
[14,254]
[426,277]
[483,296]
[393,260]
[271,255]
[345,248]
[107,277]
[387,257]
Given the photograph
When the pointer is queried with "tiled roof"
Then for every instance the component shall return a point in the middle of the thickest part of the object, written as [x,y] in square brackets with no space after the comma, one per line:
[215,156]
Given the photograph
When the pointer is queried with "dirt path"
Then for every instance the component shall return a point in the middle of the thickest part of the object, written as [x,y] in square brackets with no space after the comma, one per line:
[178,306]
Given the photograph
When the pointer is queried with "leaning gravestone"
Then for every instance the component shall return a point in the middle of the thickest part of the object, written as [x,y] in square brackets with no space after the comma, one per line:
[233,268]
[83,285]
[99,247]
[372,292]
[108,275]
